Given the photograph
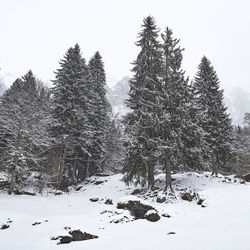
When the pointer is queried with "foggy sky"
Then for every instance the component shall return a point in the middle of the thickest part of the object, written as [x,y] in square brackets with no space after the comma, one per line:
[35,34]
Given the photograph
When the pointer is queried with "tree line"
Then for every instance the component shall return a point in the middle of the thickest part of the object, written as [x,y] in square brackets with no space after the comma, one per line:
[173,122]
[59,136]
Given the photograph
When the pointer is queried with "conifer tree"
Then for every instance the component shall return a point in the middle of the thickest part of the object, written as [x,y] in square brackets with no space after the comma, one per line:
[71,108]
[100,113]
[143,101]
[24,115]
[179,135]
[214,119]
[114,154]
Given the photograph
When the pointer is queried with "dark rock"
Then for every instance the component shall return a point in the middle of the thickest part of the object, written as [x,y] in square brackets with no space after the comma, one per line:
[166,215]
[138,211]
[67,228]
[136,191]
[78,188]
[56,238]
[137,208]
[200,201]
[246,177]
[78,235]
[99,182]
[122,220]
[94,199]
[108,202]
[171,233]
[4,226]
[203,205]
[36,223]
[65,239]
[242,182]
[58,193]
[152,216]
[161,199]
[17,192]
[102,175]
[187,197]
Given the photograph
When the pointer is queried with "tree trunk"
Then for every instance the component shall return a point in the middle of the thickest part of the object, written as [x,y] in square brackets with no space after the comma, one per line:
[168,175]
[214,166]
[13,176]
[87,166]
[74,172]
[151,177]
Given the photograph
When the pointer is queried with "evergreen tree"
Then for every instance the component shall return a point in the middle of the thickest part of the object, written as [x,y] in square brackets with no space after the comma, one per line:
[72,107]
[114,154]
[143,101]
[100,113]
[214,119]
[178,132]
[24,115]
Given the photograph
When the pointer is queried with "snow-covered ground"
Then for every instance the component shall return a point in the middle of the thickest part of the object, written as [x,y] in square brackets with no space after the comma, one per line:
[223,224]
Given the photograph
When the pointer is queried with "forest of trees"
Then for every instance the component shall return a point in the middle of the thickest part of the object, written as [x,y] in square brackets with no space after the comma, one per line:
[59,136]
[173,122]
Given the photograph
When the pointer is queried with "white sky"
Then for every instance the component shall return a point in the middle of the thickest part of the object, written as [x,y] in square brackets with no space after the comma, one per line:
[35,34]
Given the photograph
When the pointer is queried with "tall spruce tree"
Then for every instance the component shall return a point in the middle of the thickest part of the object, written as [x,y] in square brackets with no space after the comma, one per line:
[214,119]
[141,122]
[72,107]
[100,113]
[178,132]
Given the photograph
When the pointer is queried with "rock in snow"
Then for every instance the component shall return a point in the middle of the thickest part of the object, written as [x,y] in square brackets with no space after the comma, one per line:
[76,235]
[94,199]
[152,215]
[187,197]
[200,201]
[137,207]
[161,199]
[4,226]
[108,202]
[246,177]
[65,239]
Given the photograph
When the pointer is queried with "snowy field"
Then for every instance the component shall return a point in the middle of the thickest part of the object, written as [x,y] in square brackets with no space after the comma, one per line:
[223,224]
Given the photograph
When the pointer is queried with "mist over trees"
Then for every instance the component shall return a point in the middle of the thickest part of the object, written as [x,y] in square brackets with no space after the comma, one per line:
[60,136]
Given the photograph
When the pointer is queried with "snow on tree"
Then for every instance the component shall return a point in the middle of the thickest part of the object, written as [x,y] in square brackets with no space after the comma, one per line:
[72,109]
[141,122]
[114,153]
[178,131]
[24,119]
[100,113]
[214,119]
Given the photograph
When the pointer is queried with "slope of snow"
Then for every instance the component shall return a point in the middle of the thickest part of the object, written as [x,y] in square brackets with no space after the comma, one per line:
[223,224]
